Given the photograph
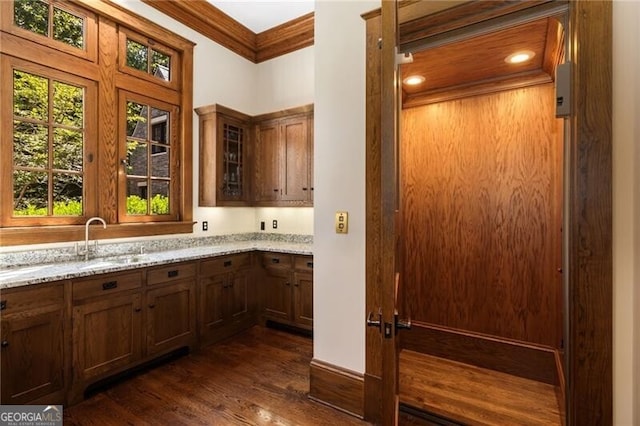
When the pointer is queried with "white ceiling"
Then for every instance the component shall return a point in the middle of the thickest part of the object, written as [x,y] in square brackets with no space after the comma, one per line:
[261,15]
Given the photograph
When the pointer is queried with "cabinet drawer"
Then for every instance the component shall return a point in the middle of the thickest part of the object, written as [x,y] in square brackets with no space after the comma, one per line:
[17,300]
[106,284]
[170,273]
[304,263]
[223,264]
[276,260]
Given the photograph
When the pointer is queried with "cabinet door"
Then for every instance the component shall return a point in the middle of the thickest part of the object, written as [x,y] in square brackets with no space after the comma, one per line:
[277,293]
[267,162]
[233,136]
[295,167]
[238,294]
[303,299]
[32,356]
[212,302]
[106,334]
[170,317]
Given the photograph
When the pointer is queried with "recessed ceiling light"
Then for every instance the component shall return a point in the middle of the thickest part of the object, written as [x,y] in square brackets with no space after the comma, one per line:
[519,57]
[413,80]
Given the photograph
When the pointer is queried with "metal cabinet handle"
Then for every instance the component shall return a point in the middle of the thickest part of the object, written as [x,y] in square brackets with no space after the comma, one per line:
[228,263]
[172,274]
[275,260]
[137,309]
[3,305]
[4,343]
[309,264]
[152,306]
[304,188]
[109,285]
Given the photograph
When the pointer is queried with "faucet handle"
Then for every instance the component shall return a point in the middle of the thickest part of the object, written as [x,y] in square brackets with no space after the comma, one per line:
[141,249]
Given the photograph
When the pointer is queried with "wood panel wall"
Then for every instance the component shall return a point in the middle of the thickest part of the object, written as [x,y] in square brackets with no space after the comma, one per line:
[481,183]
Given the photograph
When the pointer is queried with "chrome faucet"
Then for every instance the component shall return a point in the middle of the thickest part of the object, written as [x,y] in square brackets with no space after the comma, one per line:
[86,236]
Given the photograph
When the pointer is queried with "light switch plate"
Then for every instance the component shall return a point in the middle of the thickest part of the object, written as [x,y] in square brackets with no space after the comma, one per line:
[342,223]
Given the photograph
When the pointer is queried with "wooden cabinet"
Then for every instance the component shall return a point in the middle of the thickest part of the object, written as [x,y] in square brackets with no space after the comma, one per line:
[284,160]
[118,322]
[107,324]
[170,303]
[225,137]
[32,349]
[287,289]
[227,298]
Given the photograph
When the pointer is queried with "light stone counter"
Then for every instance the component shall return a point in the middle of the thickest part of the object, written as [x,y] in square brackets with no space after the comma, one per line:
[49,272]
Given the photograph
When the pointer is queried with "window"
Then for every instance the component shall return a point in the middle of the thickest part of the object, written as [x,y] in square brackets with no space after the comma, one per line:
[50,137]
[151,163]
[92,129]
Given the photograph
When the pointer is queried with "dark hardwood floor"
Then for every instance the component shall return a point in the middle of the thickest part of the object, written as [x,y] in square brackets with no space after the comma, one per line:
[260,377]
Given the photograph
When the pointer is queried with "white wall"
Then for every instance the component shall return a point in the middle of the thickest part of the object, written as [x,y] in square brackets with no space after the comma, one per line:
[626,212]
[339,260]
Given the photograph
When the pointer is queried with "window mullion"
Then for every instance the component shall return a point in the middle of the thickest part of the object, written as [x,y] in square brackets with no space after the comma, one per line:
[50,136]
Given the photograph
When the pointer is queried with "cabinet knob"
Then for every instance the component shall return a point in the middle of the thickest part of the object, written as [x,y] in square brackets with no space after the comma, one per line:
[152,306]
[4,343]
[297,285]
[137,309]
[288,284]
[304,188]
[3,305]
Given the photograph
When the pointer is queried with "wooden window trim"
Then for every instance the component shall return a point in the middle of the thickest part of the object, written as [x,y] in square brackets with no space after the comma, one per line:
[8,64]
[49,55]
[90,50]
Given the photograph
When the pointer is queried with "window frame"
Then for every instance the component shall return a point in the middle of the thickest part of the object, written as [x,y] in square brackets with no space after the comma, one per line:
[110,18]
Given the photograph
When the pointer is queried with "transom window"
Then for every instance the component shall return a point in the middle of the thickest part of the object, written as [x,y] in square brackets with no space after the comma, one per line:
[50,20]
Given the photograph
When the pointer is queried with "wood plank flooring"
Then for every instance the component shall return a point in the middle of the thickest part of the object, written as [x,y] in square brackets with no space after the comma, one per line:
[472,395]
[260,377]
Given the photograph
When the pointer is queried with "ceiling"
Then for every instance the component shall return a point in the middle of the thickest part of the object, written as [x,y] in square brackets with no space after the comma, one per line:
[477,65]
[261,15]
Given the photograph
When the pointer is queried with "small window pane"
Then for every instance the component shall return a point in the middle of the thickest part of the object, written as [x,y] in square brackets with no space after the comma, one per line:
[137,197]
[67,195]
[30,145]
[30,96]
[137,158]
[160,65]
[160,162]
[30,193]
[137,56]
[32,15]
[67,150]
[159,197]
[137,120]
[68,105]
[159,126]
[68,28]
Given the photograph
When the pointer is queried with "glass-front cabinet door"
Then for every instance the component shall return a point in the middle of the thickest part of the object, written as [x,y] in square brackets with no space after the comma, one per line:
[233,138]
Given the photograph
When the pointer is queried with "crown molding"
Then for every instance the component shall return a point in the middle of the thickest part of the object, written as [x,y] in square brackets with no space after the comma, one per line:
[216,25]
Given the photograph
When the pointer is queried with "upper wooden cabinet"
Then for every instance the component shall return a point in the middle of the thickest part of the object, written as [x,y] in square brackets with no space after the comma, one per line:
[265,160]
[225,137]
[284,157]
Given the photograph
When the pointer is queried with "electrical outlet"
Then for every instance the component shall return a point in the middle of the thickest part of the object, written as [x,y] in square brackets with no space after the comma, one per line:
[262,225]
[275,224]
[205,225]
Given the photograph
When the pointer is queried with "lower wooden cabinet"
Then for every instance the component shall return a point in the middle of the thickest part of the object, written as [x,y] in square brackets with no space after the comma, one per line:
[287,289]
[227,298]
[171,317]
[58,339]
[32,346]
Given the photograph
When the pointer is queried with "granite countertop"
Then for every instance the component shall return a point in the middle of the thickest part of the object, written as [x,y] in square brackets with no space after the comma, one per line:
[49,272]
